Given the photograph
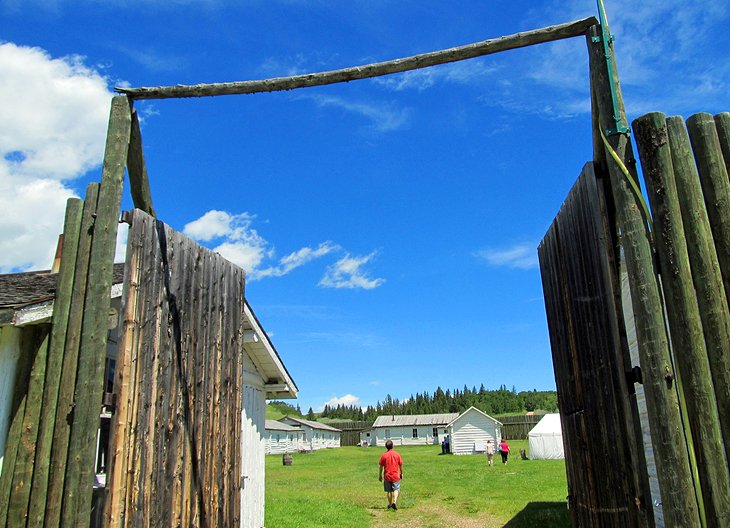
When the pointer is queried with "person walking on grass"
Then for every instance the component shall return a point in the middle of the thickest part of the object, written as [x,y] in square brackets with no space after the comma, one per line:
[489,450]
[504,450]
[391,466]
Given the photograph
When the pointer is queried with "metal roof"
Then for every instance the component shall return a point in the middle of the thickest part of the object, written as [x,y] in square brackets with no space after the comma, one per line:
[310,423]
[415,420]
[281,426]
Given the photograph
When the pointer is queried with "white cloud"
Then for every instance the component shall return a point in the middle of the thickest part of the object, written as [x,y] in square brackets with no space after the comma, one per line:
[347,399]
[233,236]
[385,117]
[297,259]
[348,273]
[463,72]
[520,256]
[53,130]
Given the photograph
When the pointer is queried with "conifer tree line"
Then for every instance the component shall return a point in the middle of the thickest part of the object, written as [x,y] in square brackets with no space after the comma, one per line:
[493,402]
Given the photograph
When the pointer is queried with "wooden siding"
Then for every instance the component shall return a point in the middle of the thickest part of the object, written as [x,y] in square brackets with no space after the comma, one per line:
[279,442]
[470,432]
[176,441]
[315,439]
[252,444]
[404,435]
[607,485]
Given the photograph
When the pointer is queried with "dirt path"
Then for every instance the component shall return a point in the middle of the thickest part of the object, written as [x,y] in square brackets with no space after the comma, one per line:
[431,517]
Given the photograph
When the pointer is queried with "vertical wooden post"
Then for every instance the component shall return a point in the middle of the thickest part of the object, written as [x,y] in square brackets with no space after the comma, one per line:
[92,351]
[713,303]
[715,185]
[684,317]
[23,474]
[139,184]
[28,350]
[722,122]
[61,307]
[680,507]
[64,407]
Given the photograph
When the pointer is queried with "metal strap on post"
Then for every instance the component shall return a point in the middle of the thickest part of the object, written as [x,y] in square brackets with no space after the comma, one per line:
[619,126]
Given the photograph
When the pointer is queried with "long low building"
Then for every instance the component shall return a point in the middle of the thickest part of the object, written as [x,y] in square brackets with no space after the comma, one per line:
[282,438]
[417,429]
[315,435]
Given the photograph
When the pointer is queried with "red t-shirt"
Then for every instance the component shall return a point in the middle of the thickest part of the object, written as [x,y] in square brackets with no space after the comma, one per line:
[391,461]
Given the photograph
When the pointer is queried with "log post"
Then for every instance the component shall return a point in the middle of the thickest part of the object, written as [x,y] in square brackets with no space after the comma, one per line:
[61,308]
[64,407]
[713,303]
[722,122]
[92,351]
[139,184]
[683,313]
[715,185]
[679,504]
[23,473]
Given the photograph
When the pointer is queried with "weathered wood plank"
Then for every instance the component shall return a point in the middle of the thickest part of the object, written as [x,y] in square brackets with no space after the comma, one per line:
[28,350]
[469,51]
[65,407]
[92,350]
[61,307]
[683,313]
[125,380]
[24,463]
[139,183]
[680,507]
[707,279]
[575,262]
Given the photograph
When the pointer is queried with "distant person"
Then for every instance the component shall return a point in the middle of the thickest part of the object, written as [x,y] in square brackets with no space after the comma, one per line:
[489,450]
[392,463]
[504,450]
[447,446]
[443,446]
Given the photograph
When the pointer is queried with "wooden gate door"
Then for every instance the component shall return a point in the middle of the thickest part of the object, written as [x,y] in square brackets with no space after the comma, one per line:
[606,470]
[176,434]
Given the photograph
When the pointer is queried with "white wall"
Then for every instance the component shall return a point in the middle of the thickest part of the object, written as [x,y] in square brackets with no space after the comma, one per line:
[252,447]
[279,442]
[470,432]
[314,439]
[9,355]
[404,435]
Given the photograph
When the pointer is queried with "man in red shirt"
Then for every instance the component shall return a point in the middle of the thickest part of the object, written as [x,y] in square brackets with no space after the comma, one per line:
[392,463]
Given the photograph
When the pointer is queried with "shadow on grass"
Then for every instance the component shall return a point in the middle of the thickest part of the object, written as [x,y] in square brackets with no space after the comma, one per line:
[542,514]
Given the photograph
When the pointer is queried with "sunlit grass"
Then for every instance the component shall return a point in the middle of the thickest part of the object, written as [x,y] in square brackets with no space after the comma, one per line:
[340,488]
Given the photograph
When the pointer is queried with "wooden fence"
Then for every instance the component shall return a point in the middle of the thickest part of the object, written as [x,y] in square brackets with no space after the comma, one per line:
[49,467]
[518,426]
[351,431]
[177,427]
[607,484]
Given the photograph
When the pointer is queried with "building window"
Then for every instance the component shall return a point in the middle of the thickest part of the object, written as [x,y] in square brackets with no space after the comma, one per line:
[415,432]
[435,432]
[387,433]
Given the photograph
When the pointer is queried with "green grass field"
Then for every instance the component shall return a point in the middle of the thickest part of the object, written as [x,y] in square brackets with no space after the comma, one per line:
[340,488]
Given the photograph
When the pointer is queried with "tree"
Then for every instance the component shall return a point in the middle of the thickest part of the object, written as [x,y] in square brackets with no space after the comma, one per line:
[310,414]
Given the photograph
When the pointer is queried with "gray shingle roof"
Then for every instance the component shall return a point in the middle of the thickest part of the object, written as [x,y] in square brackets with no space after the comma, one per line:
[310,423]
[414,420]
[32,287]
[280,426]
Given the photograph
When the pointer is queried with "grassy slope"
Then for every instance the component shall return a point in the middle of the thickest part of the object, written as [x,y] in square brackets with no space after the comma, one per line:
[339,488]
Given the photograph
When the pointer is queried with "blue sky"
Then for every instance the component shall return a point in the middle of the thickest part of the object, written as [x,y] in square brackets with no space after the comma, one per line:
[388,226]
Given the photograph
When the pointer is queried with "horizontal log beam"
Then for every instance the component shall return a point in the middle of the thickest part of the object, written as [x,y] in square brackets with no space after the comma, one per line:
[415,62]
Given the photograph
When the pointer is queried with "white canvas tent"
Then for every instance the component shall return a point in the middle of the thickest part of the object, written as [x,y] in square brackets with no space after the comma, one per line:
[545,441]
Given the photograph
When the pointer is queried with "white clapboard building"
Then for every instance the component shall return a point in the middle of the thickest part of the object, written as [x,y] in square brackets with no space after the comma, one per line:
[469,432]
[282,438]
[416,429]
[315,435]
